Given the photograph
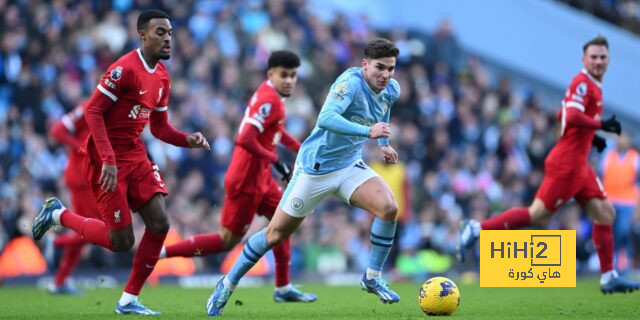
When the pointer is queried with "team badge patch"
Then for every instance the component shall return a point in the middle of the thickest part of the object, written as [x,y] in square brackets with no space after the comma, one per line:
[265,109]
[297,204]
[581,89]
[116,73]
[385,107]
[342,88]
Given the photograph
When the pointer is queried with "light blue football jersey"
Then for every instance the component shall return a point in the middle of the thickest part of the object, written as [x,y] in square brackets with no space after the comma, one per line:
[343,124]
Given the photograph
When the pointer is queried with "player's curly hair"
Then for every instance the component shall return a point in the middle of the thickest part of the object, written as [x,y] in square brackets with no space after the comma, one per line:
[283,58]
[146,16]
[600,40]
[380,48]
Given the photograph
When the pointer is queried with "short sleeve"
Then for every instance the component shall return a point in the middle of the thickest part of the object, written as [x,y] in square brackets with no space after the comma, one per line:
[577,95]
[114,81]
[266,111]
[342,94]
[163,93]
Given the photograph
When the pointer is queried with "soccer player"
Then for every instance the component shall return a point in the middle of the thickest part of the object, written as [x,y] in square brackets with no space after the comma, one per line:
[330,162]
[133,91]
[249,184]
[567,173]
[71,131]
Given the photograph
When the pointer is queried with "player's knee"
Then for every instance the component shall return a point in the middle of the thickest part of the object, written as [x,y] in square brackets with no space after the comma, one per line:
[274,236]
[159,225]
[229,241]
[390,211]
[122,243]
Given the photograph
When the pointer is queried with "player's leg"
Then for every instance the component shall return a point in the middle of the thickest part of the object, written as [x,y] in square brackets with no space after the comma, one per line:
[302,194]
[284,291]
[552,193]
[72,243]
[113,232]
[280,227]
[592,198]
[366,190]
[145,194]
[623,245]
[237,214]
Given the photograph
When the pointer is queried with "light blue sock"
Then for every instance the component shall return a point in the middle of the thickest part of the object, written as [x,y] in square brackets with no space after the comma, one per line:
[382,233]
[253,250]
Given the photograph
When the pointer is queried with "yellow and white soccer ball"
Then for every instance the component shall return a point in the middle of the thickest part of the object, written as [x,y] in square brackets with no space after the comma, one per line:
[439,296]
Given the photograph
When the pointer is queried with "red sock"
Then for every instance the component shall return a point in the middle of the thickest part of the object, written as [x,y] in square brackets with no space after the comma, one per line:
[198,245]
[68,239]
[144,261]
[282,254]
[603,240]
[69,261]
[92,230]
[511,219]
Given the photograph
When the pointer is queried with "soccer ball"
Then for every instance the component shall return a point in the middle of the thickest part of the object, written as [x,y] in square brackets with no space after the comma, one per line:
[439,296]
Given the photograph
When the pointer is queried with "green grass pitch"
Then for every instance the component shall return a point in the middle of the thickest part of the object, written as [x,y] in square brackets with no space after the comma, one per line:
[349,302]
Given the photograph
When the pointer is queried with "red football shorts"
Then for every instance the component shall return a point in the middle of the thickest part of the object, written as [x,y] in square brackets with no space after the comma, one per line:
[238,210]
[137,184]
[583,185]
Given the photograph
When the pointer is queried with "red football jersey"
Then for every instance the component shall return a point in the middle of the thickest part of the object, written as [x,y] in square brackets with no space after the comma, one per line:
[572,149]
[76,125]
[137,90]
[247,173]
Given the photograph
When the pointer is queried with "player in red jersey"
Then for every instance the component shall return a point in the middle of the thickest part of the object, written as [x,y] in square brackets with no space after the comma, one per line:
[71,130]
[249,184]
[133,91]
[567,173]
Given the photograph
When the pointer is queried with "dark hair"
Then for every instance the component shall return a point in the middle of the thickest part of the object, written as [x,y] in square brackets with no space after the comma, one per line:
[146,16]
[284,58]
[380,48]
[600,40]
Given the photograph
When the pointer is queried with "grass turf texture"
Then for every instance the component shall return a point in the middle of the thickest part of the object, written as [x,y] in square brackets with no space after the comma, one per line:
[583,302]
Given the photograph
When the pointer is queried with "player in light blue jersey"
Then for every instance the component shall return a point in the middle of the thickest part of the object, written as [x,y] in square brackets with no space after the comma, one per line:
[330,163]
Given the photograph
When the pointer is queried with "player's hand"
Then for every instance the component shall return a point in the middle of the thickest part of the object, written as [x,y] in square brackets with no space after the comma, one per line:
[380,130]
[599,142]
[390,155]
[108,177]
[197,140]
[284,170]
[611,125]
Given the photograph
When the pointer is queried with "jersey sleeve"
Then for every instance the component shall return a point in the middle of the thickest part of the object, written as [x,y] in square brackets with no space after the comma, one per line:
[114,81]
[395,94]
[340,97]
[265,111]
[577,95]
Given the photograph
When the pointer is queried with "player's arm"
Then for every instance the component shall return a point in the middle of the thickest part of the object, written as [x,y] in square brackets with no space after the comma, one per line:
[64,131]
[95,108]
[390,155]
[164,131]
[248,139]
[330,118]
[290,141]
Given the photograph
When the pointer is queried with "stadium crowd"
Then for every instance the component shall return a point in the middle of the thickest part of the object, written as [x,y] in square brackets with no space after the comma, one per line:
[624,13]
[470,144]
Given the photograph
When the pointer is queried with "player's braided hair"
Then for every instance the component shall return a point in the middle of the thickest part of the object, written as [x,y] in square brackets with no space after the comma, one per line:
[146,16]
[380,48]
[284,58]
[600,40]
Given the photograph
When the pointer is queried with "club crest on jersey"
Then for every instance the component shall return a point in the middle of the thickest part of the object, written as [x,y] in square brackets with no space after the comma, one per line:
[581,89]
[342,88]
[116,73]
[265,109]
[385,107]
